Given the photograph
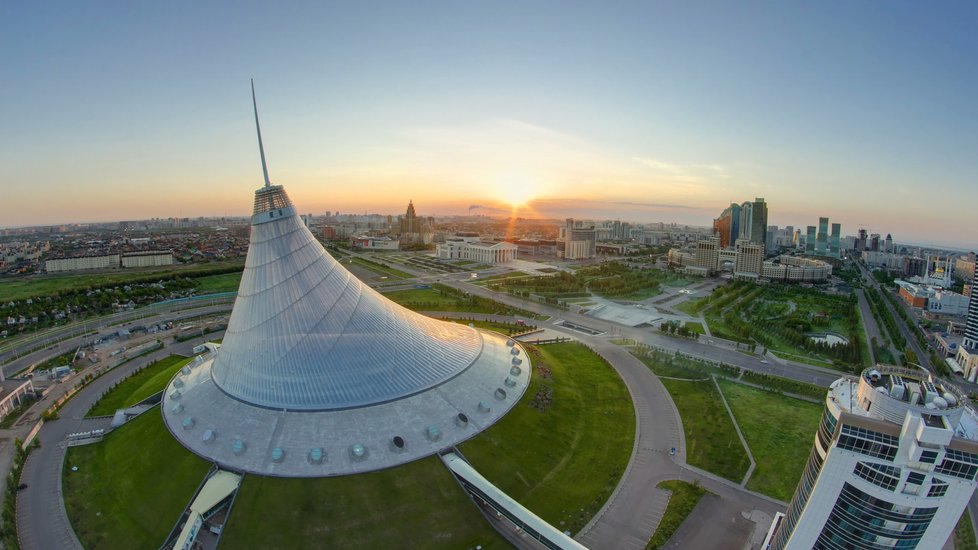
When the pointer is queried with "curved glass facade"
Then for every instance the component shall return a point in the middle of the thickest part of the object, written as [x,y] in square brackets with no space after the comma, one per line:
[305,334]
[859,520]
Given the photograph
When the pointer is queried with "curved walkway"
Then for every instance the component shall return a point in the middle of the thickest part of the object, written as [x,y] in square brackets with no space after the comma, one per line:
[42,522]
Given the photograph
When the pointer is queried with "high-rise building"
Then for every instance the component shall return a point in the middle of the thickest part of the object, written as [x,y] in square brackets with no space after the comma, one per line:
[834,241]
[971,325]
[874,242]
[861,241]
[749,260]
[821,245]
[888,243]
[810,240]
[580,239]
[758,232]
[727,226]
[893,466]
[746,221]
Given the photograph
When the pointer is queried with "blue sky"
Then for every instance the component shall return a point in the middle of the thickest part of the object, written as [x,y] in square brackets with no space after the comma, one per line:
[861,111]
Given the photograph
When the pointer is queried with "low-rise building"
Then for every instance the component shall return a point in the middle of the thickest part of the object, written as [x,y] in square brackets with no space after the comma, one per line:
[149,258]
[13,393]
[457,248]
[109,261]
[376,243]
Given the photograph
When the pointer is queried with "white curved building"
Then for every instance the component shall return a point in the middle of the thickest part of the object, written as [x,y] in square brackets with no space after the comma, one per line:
[894,464]
[320,375]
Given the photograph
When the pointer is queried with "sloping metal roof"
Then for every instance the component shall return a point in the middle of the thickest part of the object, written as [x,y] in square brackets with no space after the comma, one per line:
[305,334]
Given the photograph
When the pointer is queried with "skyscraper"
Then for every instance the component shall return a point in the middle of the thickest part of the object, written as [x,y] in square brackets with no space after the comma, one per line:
[821,245]
[971,326]
[810,239]
[758,232]
[893,466]
[834,241]
[746,221]
[727,225]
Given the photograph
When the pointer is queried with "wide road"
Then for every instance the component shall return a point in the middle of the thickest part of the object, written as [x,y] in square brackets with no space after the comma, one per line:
[66,337]
[75,332]
[41,519]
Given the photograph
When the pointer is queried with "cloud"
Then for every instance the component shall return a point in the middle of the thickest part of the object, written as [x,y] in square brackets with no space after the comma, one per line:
[652,205]
[690,172]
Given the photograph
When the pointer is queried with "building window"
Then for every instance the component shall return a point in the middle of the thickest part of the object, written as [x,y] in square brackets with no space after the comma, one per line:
[868,442]
[937,488]
[958,464]
[929,457]
[881,475]
[916,478]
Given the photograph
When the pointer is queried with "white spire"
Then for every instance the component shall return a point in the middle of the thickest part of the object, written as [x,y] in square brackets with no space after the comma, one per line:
[261,148]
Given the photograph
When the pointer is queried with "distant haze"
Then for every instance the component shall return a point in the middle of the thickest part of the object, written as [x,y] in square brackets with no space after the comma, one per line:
[863,112]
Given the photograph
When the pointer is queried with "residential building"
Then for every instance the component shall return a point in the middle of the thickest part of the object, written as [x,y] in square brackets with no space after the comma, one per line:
[971,325]
[149,258]
[893,466]
[109,261]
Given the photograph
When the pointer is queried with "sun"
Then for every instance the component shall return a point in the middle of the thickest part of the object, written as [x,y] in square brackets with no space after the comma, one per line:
[516,191]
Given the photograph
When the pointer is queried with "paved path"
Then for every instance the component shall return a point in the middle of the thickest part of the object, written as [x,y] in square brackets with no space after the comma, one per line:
[41,519]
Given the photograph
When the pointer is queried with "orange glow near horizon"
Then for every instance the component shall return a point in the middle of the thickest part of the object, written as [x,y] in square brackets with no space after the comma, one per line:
[515,190]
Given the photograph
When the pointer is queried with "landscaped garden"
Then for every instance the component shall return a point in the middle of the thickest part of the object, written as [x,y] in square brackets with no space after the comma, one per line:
[610,280]
[801,324]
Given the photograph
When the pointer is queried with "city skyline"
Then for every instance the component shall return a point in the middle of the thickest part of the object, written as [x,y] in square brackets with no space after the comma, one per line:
[646,113]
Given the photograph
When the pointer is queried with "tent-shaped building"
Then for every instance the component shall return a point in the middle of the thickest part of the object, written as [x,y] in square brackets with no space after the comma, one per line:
[321,375]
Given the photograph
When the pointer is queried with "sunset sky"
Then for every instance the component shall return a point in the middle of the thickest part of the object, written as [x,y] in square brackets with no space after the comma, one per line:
[866,112]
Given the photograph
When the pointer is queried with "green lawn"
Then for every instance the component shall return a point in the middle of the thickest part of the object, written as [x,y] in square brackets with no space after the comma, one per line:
[780,447]
[561,462]
[380,268]
[711,441]
[688,306]
[418,505]
[695,327]
[432,299]
[964,534]
[130,489]
[139,386]
[212,284]
[683,499]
